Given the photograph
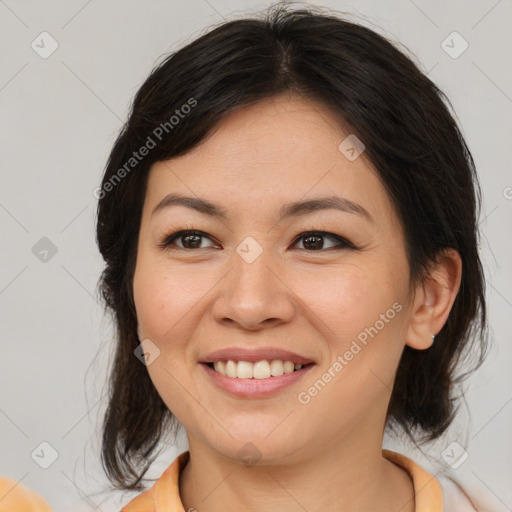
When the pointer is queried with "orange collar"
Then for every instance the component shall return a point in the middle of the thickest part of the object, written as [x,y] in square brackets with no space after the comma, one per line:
[164,495]
[427,490]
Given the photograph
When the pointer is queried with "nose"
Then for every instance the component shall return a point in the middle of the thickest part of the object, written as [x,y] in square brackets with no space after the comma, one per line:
[254,295]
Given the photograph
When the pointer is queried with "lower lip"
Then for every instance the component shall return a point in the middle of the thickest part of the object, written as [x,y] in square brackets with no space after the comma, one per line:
[255,388]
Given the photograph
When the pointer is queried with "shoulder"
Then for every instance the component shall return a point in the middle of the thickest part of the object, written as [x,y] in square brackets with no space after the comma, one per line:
[14,497]
[433,493]
[164,495]
[455,499]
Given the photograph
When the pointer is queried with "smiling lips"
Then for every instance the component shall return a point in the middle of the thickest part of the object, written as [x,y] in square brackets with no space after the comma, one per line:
[255,373]
[263,369]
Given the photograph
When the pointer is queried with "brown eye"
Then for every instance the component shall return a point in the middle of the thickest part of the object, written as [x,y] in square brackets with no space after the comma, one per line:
[314,241]
[189,240]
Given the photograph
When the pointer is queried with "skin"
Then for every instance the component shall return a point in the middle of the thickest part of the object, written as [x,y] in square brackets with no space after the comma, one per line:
[326,454]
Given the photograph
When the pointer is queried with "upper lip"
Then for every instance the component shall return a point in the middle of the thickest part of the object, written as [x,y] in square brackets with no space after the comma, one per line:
[254,355]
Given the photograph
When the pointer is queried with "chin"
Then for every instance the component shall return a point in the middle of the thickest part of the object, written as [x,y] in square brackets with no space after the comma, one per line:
[257,448]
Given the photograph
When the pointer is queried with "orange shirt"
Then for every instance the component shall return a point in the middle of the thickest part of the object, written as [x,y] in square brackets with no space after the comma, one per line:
[164,495]
[15,497]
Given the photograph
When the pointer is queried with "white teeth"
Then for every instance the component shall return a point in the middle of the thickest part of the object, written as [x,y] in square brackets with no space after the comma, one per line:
[220,367]
[231,369]
[244,370]
[260,370]
[288,367]
[276,368]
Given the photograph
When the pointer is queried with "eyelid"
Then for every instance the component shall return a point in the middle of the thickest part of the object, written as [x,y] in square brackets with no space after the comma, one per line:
[166,242]
[343,241]
[326,234]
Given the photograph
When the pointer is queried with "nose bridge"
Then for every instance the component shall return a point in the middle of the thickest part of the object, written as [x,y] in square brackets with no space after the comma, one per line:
[252,267]
[253,292]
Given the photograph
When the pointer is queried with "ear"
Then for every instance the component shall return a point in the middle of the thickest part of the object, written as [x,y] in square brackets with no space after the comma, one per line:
[433,300]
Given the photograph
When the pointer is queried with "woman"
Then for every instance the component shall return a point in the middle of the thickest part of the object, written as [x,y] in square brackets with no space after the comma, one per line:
[289,225]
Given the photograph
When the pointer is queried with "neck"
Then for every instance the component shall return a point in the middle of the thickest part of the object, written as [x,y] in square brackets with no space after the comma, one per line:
[352,477]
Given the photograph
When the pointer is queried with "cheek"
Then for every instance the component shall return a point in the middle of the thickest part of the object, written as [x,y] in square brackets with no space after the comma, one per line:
[346,300]
[164,303]
[360,312]
[163,299]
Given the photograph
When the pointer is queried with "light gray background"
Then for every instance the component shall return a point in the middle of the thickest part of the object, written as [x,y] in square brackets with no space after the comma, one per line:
[59,118]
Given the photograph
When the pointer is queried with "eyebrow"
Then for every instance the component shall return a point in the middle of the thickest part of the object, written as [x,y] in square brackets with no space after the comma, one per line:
[286,211]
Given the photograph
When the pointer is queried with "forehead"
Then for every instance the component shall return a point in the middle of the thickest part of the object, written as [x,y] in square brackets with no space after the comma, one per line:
[276,151]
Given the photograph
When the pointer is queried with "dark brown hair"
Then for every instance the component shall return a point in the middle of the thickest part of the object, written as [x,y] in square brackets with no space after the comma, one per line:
[410,136]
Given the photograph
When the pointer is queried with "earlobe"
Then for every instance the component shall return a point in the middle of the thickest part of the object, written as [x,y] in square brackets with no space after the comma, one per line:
[434,299]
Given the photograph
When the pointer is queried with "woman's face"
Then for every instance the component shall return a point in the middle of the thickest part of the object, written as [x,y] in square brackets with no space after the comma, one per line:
[254,286]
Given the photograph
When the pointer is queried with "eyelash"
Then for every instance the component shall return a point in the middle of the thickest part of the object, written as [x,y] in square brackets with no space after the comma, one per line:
[344,243]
